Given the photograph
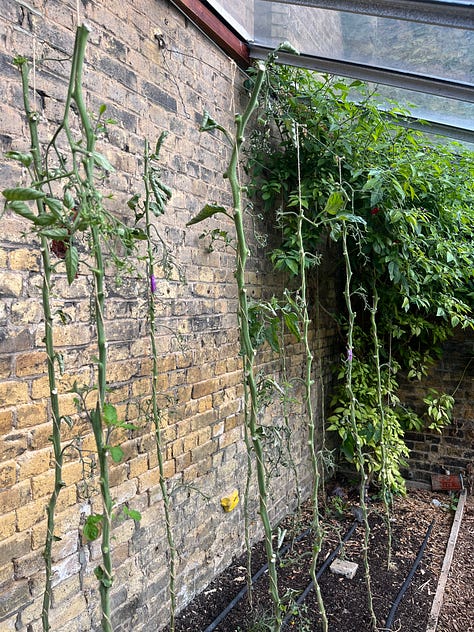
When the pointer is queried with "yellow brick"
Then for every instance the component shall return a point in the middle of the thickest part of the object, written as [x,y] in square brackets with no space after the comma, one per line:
[43,484]
[141,387]
[7,525]
[30,514]
[67,498]
[71,335]
[31,414]
[72,473]
[11,283]
[169,469]
[13,393]
[40,436]
[12,445]
[40,386]
[15,496]
[118,474]
[24,259]
[148,479]
[138,465]
[33,463]
[7,474]
[26,312]
[190,441]
[6,421]
[66,404]
[31,364]
[67,611]
[38,535]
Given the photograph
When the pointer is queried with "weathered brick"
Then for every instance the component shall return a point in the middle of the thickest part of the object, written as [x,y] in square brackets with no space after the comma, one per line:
[14,547]
[7,474]
[11,284]
[24,259]
[6,420]
[15,496]
[31,513]
[14,598]
[31,364]
[32,463]
[31,414]
[7,525]
[13,393]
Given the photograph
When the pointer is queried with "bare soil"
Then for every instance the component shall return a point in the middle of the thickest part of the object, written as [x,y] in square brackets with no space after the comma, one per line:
[346,600]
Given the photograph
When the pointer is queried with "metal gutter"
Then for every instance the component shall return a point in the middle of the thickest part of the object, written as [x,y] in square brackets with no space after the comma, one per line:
[397,78]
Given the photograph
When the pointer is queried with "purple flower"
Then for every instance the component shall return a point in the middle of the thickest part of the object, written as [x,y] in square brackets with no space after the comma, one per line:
[152,283]
[349,355]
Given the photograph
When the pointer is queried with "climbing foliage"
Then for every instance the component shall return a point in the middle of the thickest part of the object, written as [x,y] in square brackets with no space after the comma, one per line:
[407,201]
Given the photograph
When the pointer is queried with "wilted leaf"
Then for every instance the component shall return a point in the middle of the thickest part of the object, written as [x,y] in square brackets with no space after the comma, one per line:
[208,211]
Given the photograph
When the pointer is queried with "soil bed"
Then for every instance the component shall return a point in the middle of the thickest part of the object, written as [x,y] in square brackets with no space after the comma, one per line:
[345,599]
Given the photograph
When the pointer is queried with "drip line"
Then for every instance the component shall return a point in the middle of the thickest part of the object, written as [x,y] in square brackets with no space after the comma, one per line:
[255,577]
[407,582]
[324,566]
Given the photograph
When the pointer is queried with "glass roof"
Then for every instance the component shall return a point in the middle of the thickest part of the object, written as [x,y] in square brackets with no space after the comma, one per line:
[420,52]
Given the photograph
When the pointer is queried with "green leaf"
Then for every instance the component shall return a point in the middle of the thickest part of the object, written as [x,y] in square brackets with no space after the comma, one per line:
[102,162]
[335,203]
[58,234]
[102,577]
[110,415]
[55,205]
[291,322]
[22,194]
[208,123]
[93,526]
[208,211]
[132,513]
[72,262]
[116,453]
[286,47]
[133,201]
[68,201]
[20,208]
[45,219]
[25,159]
[159,144]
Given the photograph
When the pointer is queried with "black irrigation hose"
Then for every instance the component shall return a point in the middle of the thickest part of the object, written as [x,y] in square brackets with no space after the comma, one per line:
[406,583]
[244,590]
[324,566]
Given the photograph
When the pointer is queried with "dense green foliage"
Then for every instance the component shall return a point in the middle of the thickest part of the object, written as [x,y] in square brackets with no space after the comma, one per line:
[408,205]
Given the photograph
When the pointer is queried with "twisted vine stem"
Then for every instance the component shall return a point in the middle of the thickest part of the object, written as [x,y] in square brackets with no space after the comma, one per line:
[353,421]
[308,386]
[248,351]
[386,492]
[39,172]
[155,411]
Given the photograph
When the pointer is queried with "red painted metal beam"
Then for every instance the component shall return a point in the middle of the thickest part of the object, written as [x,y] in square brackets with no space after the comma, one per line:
[212,26]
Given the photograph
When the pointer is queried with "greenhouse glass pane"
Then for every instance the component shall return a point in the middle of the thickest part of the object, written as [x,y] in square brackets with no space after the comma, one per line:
[405,46]
[451,113]
[239,14]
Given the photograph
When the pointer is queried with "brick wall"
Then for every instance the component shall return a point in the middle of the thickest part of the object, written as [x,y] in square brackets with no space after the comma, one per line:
[146,90]
[452,450]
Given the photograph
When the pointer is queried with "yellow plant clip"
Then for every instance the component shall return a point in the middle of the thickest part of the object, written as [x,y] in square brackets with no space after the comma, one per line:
[230,502]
